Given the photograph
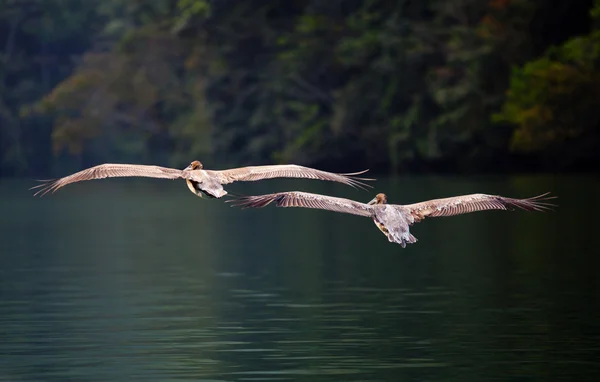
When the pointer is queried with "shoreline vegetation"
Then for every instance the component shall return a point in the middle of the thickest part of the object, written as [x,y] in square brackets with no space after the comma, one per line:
[434,86]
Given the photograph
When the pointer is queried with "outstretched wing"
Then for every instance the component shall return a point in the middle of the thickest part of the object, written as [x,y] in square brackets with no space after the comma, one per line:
[109,170]
[306,200]
[475,202]
[252,173]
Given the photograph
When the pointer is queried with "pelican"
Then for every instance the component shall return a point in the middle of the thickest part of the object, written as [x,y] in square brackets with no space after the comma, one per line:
[200,181]
[394,220]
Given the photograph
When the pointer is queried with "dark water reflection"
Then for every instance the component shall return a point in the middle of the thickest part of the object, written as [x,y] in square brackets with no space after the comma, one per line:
[127,280]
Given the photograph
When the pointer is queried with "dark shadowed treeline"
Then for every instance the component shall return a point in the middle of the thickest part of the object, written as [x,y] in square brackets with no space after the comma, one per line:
[430,85]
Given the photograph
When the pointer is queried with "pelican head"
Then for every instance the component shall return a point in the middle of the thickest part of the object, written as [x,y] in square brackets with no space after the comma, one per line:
[379,199]
[195,165]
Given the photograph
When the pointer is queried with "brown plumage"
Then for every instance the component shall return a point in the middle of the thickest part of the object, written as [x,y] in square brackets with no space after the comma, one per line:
[200,181]
[475,202]
[392,219]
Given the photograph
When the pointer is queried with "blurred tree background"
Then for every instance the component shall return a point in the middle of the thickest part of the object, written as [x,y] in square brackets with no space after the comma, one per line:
[395,86]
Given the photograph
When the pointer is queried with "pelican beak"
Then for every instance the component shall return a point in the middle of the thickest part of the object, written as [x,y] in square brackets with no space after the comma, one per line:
[372,202]
[188,168]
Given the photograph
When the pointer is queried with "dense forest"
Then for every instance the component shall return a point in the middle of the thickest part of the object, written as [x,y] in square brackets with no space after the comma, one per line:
[391,85]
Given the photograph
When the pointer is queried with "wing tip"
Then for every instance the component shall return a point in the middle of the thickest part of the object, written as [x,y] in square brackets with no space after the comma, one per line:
[356,173]
[256,201]
[356,181]
[537,203]
[50,185]
[358,184]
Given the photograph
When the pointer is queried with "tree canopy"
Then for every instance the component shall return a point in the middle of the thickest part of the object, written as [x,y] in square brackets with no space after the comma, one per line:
[433,85]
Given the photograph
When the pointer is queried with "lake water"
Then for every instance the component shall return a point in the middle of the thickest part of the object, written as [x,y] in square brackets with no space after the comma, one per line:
[135,279]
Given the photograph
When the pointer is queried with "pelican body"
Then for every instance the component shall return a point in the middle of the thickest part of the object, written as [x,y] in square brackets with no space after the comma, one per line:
[392,219]
[200,181]
[207,186]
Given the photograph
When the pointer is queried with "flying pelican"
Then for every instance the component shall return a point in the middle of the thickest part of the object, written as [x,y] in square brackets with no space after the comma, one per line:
[200,181]
[394,220]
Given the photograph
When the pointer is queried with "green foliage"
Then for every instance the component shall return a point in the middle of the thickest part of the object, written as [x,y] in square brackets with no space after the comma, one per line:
[190,8]
[554,100]
[331,83]
[37,42]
